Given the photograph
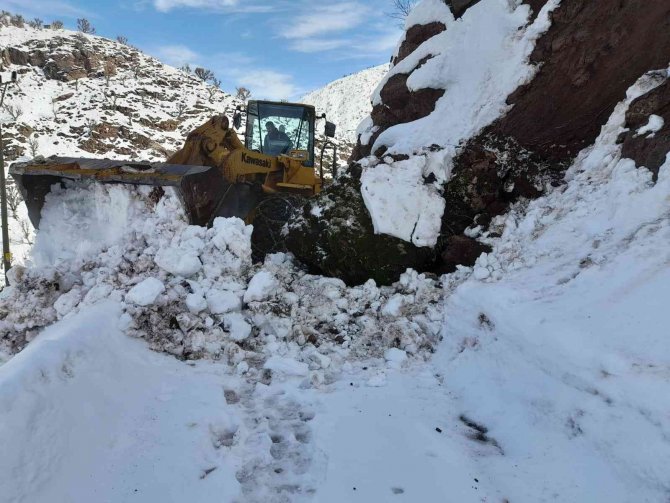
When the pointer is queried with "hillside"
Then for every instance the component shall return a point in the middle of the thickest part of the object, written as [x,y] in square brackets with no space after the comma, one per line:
[83,95]
[347,101]
[472,311]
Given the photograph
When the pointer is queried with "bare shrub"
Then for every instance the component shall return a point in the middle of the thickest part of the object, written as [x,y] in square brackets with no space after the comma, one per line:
[36,23]
[179,110]
[122,40]
[57,25]
[85,26]
[401,9]
[13,198]
[204,74]
[34,146]
[14,111]
[242,93]
[216,85]
[18,20]
[109,70]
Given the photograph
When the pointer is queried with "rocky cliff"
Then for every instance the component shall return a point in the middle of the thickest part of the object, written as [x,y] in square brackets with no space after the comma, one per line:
[487,103]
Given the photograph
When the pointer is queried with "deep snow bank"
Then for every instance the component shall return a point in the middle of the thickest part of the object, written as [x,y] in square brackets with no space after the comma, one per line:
[558,345]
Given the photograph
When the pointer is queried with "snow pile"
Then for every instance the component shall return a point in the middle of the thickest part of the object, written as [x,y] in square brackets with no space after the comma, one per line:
[478,60]
[193,292]
[346,101]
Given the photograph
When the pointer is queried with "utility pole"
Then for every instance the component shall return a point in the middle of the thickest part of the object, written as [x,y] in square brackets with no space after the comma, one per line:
[6,255]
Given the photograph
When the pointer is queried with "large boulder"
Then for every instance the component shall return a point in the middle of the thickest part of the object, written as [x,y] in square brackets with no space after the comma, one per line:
[334,233]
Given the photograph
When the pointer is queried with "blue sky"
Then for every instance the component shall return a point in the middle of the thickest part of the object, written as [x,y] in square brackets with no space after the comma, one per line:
[279,49]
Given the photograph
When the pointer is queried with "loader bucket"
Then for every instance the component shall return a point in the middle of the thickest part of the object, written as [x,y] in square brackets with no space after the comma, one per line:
[199,187]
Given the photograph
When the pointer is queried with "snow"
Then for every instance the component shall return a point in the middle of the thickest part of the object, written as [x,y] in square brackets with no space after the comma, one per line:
[346,101]
[401,204]
[179,262]
[261,286]
[237,326]
[195,303]
[287,366]
[395,356]
[654,125]
[87,411]
[145,293]
[221,301]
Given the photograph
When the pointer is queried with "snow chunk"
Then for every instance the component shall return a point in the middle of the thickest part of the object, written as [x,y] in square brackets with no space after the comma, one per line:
[395,304]
[401,204]
[428,12]
[233,235]
[221,301]
[195,303]
[287,366]
[178,262]
[237,326]
[67,302]
[654,125]
[395,356]
[261,286]
[146,292]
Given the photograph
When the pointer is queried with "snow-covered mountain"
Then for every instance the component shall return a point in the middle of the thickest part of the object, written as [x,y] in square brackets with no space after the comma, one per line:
[347,101]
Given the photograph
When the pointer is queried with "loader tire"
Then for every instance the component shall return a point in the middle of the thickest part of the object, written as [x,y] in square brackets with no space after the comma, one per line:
[270,217]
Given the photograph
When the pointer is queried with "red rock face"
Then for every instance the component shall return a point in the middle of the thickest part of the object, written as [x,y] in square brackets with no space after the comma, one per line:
[593,52]
[416,36]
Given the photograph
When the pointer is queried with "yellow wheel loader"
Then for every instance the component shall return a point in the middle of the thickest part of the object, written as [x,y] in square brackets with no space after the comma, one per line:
[214,173]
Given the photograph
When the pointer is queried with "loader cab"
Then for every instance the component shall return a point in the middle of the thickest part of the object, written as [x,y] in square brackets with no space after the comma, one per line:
[275,128]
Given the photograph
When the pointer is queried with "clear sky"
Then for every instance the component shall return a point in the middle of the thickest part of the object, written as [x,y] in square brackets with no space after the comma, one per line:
[277,48]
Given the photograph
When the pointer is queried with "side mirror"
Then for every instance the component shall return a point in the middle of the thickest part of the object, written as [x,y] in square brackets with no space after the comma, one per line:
[237,120]
[330,129]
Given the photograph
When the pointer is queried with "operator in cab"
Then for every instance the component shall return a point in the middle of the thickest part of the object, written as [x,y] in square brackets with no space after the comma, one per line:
[276,141]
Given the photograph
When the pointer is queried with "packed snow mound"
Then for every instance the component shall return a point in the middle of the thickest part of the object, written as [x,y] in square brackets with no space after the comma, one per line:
[193,292]
[478,61]
[347,101]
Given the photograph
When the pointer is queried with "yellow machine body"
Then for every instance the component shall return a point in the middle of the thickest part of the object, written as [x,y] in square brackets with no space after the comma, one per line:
[214,173]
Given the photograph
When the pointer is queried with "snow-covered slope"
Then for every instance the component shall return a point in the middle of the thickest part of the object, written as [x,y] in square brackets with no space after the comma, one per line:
[82,95]
[347,101]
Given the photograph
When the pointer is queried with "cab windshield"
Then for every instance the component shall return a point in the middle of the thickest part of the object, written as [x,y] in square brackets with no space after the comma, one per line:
[277,128]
